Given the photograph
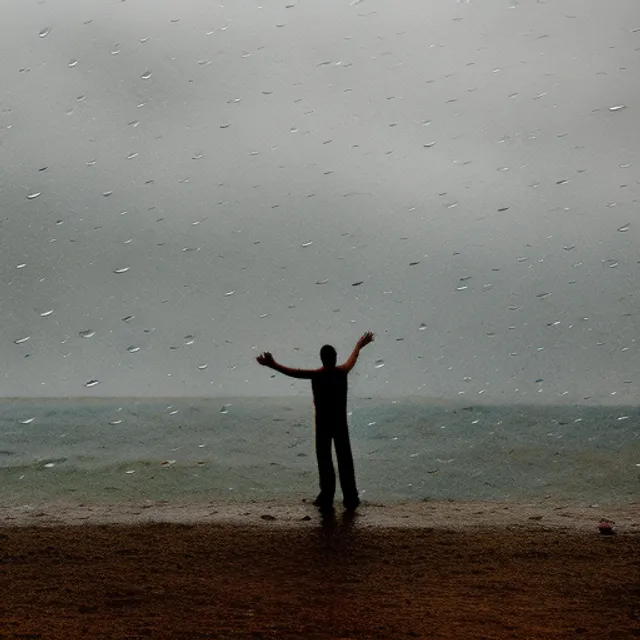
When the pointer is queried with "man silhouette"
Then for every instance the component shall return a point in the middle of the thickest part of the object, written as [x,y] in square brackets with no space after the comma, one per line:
[329,385]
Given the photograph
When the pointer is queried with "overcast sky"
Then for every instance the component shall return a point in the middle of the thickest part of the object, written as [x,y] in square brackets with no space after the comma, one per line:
[185,184]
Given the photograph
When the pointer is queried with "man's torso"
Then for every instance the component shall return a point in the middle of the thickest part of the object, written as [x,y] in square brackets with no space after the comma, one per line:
[330,395]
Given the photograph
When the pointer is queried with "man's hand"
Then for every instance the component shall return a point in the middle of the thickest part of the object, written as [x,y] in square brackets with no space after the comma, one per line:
[365,339]
[266,359]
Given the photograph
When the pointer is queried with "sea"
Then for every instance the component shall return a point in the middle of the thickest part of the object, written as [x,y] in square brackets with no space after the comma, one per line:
[192,450]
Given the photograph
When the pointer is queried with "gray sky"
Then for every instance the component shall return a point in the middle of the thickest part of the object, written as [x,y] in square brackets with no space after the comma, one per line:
[474,165]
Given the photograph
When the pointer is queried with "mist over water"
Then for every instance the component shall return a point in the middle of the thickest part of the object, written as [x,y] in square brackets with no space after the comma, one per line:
[239,449]
[188,184]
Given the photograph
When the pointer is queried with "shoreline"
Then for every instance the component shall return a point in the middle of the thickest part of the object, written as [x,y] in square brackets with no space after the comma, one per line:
[429,514]
[326,580]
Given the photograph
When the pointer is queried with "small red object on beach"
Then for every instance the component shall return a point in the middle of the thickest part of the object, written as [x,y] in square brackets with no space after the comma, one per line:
[606,527]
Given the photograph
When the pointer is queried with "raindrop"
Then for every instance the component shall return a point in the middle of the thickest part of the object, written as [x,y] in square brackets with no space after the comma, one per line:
[357,284]
[624,227]
[462,288]
[306,244]
[225,408]
[422,326]
[543,295]
[146,75]
[87,333]
[27,421]
[563,181]
[123,270]
[133,349]
[91,383]
[322,281]
[379,364]
[133,123]
[33,196]
[189,339]
[197,156]
[127,318]
[73,63]
[134,154]
[618,107]
[45,32]
[46,314]
[202,367]
[229,293]
[114,422]
[21,340]
[50,464]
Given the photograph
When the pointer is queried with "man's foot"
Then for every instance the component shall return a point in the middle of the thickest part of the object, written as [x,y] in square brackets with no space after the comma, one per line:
[323,502]
[351,504]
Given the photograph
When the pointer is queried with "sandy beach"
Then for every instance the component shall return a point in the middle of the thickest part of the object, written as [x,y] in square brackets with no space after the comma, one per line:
[270,570]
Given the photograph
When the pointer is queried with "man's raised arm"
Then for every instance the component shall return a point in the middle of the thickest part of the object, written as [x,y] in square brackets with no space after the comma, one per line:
[362,342]
[266,360]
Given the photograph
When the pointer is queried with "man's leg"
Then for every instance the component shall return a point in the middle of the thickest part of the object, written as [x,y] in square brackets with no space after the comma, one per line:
[325,468]
[345,468]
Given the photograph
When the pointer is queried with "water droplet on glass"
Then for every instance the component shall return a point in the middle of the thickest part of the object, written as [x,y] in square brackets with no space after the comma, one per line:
[146,75]
[379,364]
[123,270]
[21,340]
[132,349]
[624,227]
[45,32]
[91,383]
[87,333]
[33,196]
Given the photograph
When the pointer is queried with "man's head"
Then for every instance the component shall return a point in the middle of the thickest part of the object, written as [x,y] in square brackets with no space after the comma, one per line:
[328,356]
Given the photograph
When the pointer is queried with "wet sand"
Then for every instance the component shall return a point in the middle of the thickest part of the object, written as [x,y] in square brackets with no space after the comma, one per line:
[443,570]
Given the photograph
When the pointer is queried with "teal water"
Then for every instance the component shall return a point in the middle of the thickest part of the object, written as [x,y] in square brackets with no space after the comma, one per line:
[112,450]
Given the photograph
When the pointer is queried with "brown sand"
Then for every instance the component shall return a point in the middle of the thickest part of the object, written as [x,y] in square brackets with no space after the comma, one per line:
[475,577]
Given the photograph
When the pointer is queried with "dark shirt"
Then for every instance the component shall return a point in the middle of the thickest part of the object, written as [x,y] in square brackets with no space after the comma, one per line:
[330,395]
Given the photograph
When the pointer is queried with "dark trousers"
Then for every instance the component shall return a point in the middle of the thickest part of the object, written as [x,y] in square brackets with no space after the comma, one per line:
[339,435]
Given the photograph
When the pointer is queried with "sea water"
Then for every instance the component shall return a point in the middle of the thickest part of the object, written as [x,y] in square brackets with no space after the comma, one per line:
[243,449]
